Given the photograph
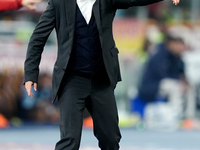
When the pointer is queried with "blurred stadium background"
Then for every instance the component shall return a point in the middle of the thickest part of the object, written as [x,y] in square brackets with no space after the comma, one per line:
[22,117]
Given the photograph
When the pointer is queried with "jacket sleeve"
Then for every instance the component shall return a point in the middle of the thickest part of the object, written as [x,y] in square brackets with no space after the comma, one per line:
[6,5]
[123,4]
[37,42]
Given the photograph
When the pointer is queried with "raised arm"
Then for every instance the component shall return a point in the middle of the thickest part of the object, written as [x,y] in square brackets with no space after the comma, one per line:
[129,3]
[36,46]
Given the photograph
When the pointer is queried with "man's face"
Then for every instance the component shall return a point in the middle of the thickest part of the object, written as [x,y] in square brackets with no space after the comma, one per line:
[177,47]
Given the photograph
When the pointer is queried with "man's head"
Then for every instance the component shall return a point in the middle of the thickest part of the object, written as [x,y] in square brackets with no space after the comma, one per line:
[175,44]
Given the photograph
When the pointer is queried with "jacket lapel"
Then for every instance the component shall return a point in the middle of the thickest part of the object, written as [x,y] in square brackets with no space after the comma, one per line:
[70,6]
[96,11]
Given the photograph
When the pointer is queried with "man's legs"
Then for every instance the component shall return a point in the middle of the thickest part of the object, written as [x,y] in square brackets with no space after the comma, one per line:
[74,90]
[102,106]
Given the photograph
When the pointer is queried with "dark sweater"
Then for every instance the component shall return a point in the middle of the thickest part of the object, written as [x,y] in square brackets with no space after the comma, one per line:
[86,57]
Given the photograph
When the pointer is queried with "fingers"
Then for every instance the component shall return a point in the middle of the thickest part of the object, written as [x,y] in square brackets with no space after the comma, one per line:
[175,2]
[28,87]
[35,86]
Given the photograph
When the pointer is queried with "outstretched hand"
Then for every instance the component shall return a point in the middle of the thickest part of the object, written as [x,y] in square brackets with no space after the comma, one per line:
[175,2]
[28,87]
[30,4]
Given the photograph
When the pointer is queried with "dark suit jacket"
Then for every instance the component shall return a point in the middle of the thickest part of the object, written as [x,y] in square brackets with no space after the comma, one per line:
[60,14]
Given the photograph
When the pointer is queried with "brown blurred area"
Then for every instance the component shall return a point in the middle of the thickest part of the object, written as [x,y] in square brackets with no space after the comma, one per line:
[10,92]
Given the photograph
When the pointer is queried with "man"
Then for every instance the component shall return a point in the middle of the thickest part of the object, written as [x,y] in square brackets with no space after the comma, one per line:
[87,68]
[165,63]
[163,77]
[6,5]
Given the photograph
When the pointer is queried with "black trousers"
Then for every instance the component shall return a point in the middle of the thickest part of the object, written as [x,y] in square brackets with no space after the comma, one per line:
[78,92]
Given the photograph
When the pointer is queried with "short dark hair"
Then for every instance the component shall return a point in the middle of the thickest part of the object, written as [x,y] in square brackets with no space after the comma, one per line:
[170,38]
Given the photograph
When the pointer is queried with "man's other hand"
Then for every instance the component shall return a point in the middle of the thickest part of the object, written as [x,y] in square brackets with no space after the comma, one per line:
[30,4]
[28,87]
[175,2]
